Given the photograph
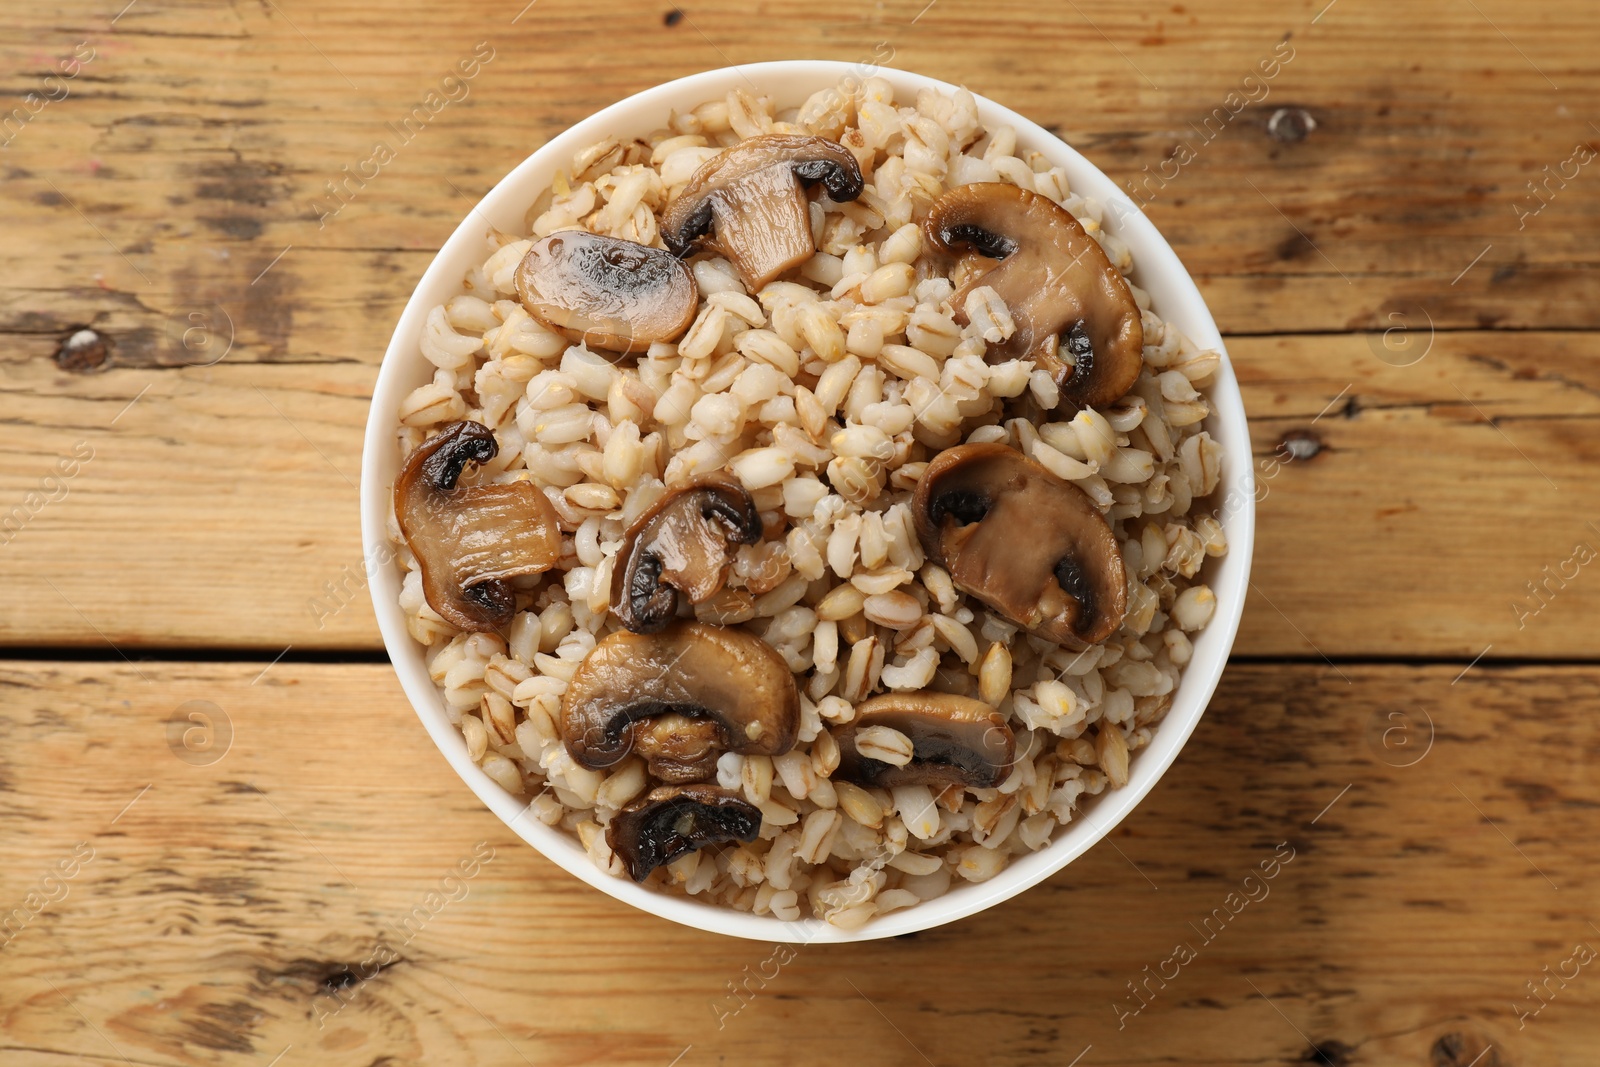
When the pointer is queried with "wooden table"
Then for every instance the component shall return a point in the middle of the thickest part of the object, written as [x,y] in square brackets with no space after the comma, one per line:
[1399,237]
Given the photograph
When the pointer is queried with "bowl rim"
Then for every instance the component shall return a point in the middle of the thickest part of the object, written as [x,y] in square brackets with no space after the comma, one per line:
[1159,272]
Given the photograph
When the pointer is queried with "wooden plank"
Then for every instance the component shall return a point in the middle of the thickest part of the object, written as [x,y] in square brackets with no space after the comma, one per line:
[162,186]
[220,509]
[214,507]
[226,901]
[1443,507]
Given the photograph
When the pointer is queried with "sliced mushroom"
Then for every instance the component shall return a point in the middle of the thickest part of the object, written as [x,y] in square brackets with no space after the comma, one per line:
[673,821]
[679,698]
[606,292]
[1031,546]
[752,197]
[684,544]
[469,540]
[955,741]
[1074,313]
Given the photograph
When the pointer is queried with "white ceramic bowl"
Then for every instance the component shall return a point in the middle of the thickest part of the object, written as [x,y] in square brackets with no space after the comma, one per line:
[1156,269]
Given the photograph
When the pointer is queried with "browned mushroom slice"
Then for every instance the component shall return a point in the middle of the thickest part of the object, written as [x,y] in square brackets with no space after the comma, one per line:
[684,544]
[606,292]
[673,821]
[735,692]
[1031,546]
[752,197]
[469,540]
[1074,313]
[955,741]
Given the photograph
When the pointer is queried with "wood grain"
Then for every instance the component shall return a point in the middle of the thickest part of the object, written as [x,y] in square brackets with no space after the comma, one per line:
[193,147]
[219,907]
[221,508]
[1407,291]
[168,203]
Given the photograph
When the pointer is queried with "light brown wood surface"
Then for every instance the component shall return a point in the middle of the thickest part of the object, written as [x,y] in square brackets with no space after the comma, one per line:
[1385,289]
[218,908]
[219,507]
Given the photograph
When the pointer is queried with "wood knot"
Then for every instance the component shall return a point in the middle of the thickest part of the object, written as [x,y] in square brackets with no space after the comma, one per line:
[1290,125]
[1300,445]
[1330,1054]
[672,18]
[84,351]
[1456,1049]
[343,978]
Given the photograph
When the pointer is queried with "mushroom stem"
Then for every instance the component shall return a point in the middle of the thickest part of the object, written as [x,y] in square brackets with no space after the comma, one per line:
[470,540]
[751,199]
[766,221]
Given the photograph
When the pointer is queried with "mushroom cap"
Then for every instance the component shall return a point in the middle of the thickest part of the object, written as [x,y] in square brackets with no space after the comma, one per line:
[752,197]
[469,540]
[955,740]
[672,821]
[1026,543]
[1075,315]
[729,677]
[685,543]
[606,292]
